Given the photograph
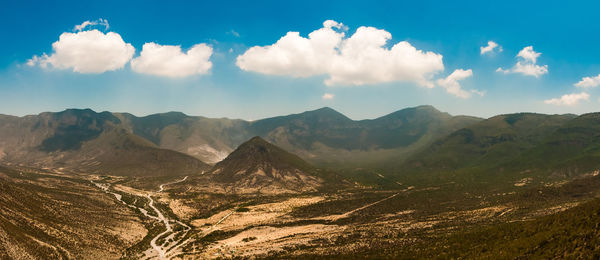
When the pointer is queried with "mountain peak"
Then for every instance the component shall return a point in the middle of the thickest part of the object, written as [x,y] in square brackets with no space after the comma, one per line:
[257,151]
[426,107]
[257,140]
[323,115]
[258,165]
[326,111]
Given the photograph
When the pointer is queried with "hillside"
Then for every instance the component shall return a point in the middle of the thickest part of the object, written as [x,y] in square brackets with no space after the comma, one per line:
[573,148]
[121,153]
[257,165]
[328,138]
[506,148]
[208,139]
[323,137]
[83,140]
[487,142]
[45,216]
[572,234]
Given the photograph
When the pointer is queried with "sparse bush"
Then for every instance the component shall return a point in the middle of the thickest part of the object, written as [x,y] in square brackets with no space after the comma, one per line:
[248,239]
[242,209]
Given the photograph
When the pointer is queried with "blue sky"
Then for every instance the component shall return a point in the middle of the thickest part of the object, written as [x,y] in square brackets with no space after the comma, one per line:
[564,35]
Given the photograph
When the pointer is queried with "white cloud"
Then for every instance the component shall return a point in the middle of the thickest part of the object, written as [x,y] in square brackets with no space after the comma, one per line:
[529,54]
[501,70]
[527,65]
[588,82]
[490,48]
[359,59]
[170,61]
[327,96]
[87,52]
[85,24]
[568,100]
[530,69]
[452,85]
[478,92]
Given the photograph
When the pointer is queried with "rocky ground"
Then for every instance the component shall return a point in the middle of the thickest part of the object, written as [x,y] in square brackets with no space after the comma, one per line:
[52,213]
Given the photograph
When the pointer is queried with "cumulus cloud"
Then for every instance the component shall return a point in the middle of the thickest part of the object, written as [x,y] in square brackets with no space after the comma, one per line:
[490,48]
[452,85]
[568,100]
[171,61]
[589,82]
[89,51]
[527,65]
[529,54]
[327,96]
[530,69]
[82,26]
[359,59]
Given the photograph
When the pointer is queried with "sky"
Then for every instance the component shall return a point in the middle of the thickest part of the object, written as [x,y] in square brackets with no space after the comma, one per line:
[257,59]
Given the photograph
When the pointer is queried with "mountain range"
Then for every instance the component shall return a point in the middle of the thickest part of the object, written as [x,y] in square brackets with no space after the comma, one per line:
[410,145]
[411,184]
[97,141]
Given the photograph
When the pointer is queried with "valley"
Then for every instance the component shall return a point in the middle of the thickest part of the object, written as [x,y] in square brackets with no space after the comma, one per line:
[354,221]
[120,193]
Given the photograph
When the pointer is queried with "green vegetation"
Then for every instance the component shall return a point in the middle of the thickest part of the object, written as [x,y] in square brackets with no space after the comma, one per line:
[498,152]
[572,234]
[133,252]
[242,209]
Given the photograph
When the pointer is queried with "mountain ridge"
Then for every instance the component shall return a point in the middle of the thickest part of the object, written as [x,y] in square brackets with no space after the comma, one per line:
[321,136]
[257,165]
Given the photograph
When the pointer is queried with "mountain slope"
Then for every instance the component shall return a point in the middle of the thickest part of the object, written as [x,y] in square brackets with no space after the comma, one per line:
[323,136]
[120,153]
[407,126]
[208,139]
[487,142]
[572,234]
[257,165]
[326,137]
[86,141]
[503,149]
[573,148]
[46,216]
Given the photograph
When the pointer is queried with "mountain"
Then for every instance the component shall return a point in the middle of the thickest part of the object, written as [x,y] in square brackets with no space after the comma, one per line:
[573,148]
[409,126]
[257,165]
[323,136]
[513,146]
[83,138]
[86,141]
[207,139]
[120,153]
[328,138]
[486,141]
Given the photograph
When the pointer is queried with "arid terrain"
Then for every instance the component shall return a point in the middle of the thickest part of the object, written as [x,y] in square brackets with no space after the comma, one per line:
[90,200]
[90,216]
